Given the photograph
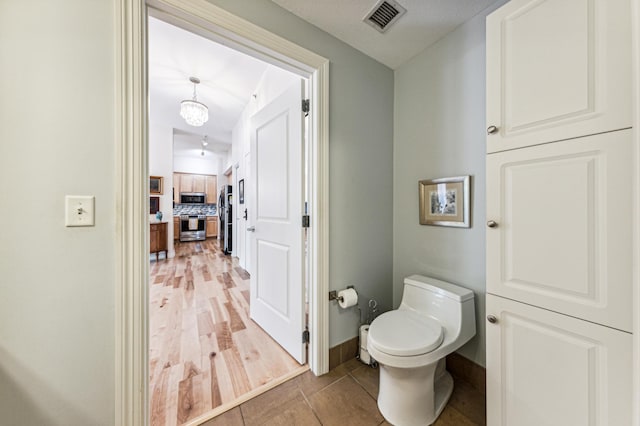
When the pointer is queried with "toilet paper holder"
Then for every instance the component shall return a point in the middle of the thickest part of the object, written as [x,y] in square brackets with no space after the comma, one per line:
[333,294]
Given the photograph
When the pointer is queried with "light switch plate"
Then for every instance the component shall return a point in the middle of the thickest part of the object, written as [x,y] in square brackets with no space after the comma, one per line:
[79,210]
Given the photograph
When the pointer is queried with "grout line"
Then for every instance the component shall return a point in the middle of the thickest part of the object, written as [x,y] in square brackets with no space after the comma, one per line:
[311,406]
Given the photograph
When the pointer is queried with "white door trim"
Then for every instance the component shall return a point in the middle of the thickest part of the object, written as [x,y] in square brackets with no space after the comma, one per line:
[131,304]
[635,61]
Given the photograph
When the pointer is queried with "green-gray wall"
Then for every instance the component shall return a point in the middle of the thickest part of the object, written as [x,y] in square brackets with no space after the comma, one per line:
[439,131]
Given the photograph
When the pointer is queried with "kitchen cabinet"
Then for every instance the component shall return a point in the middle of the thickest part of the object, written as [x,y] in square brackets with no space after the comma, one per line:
[158,238]
[176,227]
[176,188]
[561,216]
[212,226]
[571,79]
[186,182]
[547,369]
[198,184]
[211,189]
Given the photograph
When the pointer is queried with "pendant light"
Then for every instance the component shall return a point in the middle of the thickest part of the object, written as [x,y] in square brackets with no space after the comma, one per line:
[194,113]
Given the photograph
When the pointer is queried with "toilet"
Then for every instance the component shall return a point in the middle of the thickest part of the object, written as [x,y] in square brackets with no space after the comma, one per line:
[410,344]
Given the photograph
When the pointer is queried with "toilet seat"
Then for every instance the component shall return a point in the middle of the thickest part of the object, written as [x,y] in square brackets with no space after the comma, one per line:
[405,333]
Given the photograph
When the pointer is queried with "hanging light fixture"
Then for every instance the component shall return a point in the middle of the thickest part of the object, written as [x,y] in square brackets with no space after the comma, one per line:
[204,143]
[194,113]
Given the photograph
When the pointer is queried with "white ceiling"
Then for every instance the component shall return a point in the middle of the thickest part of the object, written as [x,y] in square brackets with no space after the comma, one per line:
[425,22]
[228,79]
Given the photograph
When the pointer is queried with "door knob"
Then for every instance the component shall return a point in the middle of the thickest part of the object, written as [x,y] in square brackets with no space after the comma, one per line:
[492,224]
[492,319]
[251,229]
[491,130]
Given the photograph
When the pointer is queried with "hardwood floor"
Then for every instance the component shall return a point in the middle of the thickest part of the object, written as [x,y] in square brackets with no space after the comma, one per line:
[204,350]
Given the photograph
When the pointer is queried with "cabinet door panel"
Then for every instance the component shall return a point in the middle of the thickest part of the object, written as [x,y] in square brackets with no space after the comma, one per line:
[557,69]
[563,240]
[548,369]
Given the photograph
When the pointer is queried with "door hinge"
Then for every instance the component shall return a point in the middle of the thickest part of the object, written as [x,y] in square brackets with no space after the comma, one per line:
[306,107]
[305,221]
[305,336]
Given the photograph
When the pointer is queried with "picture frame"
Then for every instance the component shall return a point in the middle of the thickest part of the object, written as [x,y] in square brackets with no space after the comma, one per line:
[154,205]
[155,185]
[241,191]
[445,201]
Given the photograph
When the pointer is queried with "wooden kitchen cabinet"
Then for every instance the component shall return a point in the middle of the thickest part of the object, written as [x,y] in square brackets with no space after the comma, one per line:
[212,226]
[198,184]
[211,184]
[176,227]
[158,238]
[176,188]
[186,183]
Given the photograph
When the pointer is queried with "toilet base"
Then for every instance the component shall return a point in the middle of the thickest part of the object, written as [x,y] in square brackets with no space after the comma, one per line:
[414,396]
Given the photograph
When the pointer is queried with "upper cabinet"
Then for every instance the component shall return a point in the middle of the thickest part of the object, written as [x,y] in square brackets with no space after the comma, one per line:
[557,69]
[188,182]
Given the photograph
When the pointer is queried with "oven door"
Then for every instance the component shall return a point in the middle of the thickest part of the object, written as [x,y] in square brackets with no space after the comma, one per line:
[192,228]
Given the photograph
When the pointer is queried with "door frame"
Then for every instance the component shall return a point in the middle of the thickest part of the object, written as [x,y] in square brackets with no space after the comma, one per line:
[131,97]
[635,66]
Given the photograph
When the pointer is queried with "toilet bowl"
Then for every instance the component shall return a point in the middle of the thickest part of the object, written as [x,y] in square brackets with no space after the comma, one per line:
[410,344]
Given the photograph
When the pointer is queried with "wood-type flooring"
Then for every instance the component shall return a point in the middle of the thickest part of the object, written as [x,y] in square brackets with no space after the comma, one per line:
[204,350]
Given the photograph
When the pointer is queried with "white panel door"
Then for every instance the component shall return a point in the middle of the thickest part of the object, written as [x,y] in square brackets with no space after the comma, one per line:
[548,369]
[562,239]
[277,279]
[557,69]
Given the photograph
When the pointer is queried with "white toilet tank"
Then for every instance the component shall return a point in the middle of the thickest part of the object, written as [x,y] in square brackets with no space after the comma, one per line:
[446,302]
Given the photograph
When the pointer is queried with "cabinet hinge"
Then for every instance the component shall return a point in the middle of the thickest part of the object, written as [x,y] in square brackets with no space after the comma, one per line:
[305,336]
[306,107]
[305,221]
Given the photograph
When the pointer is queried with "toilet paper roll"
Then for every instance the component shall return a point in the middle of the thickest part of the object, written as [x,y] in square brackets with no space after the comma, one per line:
[347,298]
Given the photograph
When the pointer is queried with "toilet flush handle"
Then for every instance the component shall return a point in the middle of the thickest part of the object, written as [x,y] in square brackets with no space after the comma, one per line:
[492,319]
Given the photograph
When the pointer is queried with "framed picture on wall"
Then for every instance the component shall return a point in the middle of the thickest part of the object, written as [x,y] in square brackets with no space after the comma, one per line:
[241,191]
[154,205]
[445,201]
[155,185]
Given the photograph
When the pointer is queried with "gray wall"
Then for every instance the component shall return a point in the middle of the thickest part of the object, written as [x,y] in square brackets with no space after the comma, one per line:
[440,132]
[57,344]
[361,137]
[57,137]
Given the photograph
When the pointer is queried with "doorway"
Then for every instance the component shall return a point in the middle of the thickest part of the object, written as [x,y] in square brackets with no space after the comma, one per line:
[208,347]
[131,315]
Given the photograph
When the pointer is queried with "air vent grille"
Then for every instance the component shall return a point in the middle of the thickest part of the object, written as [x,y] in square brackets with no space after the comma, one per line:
[383,14]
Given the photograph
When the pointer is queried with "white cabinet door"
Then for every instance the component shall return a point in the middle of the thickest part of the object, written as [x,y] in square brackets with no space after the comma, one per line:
[562,239]
[547,369]
[557,69]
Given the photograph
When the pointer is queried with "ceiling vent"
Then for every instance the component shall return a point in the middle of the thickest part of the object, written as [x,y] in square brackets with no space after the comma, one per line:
[383,14]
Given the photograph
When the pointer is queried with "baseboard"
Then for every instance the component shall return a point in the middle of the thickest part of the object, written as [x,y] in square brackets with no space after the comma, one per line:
[343,352]
[468,371]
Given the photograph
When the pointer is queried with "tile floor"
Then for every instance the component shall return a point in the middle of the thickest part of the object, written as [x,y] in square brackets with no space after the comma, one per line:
[351,388]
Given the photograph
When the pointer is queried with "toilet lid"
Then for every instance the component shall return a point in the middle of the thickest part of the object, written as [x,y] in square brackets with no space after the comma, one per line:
[405,333]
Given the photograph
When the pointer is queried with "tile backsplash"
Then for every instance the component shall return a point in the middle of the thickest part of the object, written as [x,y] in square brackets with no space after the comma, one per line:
[208,209]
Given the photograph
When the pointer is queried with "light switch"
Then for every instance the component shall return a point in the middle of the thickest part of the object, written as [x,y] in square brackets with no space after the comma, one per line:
[79,210]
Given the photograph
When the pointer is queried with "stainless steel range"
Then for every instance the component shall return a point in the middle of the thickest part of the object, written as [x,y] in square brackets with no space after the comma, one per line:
[193,227]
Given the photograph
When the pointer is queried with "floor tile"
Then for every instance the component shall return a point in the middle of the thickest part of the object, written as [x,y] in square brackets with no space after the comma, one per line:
[345,402]
[230,418]
[452,417]
[310,383]
[299,413]
[368,378]
[271,403]
[468,400]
